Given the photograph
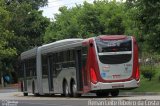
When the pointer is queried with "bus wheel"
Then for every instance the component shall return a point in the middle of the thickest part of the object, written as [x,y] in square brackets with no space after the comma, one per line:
[115,93]
[25,94]
[65,89]
[102,94]
[74,90]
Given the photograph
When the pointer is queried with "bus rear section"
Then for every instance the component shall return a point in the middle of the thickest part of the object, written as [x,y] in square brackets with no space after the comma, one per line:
[114,64]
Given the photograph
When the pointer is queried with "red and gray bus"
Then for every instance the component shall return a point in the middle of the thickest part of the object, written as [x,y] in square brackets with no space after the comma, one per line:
[71,67]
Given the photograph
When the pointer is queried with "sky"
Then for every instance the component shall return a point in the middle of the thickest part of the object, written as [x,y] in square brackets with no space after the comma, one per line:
[53,6]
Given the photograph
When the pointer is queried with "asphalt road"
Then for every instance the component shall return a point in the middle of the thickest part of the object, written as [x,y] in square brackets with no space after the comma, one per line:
[11,97]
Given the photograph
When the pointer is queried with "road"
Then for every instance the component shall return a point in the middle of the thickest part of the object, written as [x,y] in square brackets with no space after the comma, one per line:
[11,97]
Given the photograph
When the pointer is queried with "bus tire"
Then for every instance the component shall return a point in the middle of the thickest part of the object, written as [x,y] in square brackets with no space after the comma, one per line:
[25,94]
[74,89]
[65,89]
[115,93]
[102,94]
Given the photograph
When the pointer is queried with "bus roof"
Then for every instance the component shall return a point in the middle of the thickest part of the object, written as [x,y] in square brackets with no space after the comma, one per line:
[51,47]
[61,45]
[29,53]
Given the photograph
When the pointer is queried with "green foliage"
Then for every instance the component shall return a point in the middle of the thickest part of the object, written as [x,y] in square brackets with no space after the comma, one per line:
[35,4]
[5,35]
[148,72]
[149,17]
[149,86]
[5,50]
[28,25]
[21,27]
[101,17]
[131,23]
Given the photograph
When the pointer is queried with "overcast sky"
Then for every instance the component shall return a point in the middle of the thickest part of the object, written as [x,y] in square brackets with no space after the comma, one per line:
[53,6]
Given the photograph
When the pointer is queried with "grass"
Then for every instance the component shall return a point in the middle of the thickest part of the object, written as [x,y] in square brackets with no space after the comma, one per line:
[149,86]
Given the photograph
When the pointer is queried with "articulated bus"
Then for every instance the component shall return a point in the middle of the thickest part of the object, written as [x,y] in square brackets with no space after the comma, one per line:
[103,65]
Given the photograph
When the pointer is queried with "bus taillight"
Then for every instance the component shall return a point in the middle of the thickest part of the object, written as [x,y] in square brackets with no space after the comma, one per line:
[93,76]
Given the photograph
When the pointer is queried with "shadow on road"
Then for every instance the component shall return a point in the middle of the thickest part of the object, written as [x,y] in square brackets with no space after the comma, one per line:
[82,97]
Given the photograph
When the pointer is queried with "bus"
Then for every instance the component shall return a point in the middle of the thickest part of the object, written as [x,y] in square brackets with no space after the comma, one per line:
[71,67]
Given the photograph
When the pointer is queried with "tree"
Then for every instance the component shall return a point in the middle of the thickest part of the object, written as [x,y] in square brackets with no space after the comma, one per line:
[5,35]
[101,17]
[35,4]
[28,25]
[22,27]
[149,17]
[132,23]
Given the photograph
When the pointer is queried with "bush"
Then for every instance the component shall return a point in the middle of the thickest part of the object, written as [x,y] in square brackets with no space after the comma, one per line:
[148,72]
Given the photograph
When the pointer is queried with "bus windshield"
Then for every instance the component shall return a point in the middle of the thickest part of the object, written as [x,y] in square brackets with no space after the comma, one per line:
[114,51]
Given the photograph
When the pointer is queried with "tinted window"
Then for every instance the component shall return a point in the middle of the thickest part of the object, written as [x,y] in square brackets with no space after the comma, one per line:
[113,45]
[44,65]
[84,55]
[115,59]
[107,51]
[30,66]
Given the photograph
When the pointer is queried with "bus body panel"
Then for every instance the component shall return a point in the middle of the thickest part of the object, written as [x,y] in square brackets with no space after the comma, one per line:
[29,85]
[45,85]
[36,85]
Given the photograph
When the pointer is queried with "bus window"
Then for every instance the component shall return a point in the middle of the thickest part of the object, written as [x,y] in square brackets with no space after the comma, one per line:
[114,51]
[30,65]
[72,58]
[84,55]
[54,64]
[44,65]
[59,58]
[65,59]
[27,68]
